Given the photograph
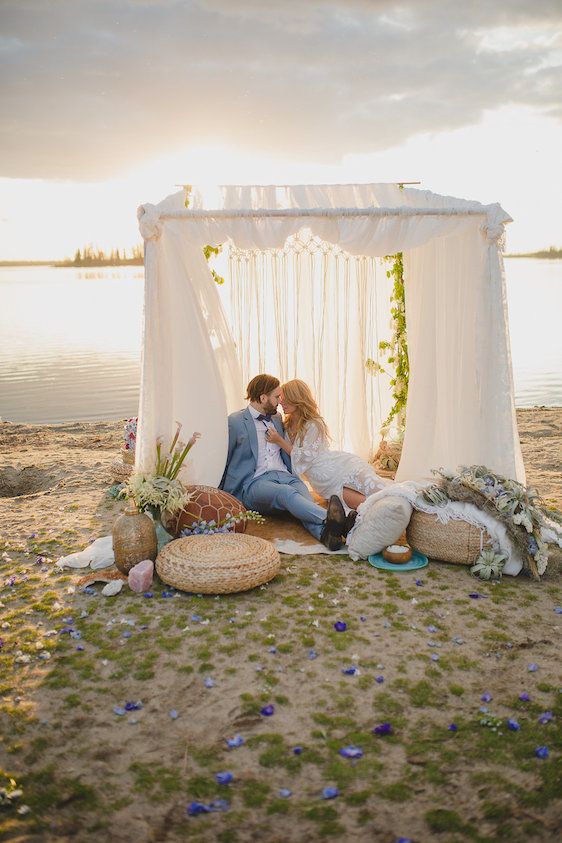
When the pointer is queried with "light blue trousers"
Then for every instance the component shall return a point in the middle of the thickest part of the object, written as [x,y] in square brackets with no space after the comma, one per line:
[279,491]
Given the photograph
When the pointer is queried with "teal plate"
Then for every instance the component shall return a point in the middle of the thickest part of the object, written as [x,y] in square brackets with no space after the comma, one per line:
[418,560]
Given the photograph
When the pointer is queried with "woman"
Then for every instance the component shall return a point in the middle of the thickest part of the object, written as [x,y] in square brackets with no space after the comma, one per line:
[328,472]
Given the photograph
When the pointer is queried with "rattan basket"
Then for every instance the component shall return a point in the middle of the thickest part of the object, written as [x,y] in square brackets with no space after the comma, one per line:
[218,564]
[120,471]
[456,542]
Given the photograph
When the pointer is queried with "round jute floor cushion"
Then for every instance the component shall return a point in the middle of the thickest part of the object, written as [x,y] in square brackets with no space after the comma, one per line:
[206,504]
[219,563]
[456,542]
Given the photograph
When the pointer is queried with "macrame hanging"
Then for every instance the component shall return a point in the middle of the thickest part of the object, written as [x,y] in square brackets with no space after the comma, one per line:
[313,311]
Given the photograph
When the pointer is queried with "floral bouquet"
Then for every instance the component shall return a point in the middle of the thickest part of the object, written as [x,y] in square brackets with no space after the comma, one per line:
[227,525]
[129,440]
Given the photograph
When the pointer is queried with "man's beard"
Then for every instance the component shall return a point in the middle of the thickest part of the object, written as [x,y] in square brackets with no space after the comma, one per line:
[270,408]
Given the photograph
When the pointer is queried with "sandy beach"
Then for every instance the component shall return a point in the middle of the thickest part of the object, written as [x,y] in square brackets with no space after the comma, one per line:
[427,656]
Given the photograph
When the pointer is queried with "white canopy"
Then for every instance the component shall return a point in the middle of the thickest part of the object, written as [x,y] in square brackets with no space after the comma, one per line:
[460,400]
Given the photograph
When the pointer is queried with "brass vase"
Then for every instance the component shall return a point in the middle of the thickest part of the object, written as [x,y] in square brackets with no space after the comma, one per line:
[134,538]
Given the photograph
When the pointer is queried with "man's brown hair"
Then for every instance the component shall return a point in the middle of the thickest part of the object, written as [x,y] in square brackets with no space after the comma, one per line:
[261,385]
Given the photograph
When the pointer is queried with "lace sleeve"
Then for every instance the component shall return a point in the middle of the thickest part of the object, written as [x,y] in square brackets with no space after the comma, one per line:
[305,452]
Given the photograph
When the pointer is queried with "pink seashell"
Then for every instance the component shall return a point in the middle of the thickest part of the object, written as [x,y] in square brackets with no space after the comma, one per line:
[140,576]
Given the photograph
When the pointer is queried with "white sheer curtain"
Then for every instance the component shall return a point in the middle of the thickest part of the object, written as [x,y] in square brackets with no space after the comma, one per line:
[312,311]
[461,393]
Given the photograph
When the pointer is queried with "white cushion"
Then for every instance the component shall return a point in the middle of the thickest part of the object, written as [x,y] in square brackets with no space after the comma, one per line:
[378,525]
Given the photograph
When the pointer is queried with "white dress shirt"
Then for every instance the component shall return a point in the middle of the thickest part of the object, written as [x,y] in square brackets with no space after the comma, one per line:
[269,453]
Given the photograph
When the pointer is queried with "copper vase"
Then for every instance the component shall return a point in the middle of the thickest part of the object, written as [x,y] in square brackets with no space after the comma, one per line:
[134,538]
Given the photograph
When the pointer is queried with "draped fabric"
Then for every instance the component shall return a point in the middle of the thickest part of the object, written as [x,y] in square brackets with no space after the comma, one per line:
[460,405]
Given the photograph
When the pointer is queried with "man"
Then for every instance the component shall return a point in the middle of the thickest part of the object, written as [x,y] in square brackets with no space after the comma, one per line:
[258,472]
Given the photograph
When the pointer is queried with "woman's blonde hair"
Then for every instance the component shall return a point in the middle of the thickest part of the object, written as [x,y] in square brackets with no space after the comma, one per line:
[298,393]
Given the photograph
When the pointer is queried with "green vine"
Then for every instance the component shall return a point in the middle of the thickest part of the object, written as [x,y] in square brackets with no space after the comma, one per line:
[207,250]
[396,351]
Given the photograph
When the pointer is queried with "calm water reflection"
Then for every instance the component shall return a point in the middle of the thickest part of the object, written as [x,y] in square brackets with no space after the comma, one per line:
[70,340]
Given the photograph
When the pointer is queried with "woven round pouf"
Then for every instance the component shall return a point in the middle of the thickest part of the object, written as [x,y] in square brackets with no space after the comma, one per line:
[457,541]
[217,564]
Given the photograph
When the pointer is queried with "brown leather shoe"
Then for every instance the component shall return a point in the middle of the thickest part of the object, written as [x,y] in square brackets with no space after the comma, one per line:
[350,521]
[335,525]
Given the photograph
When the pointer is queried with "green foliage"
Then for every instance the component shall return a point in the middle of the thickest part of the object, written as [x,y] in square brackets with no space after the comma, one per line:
[396,351]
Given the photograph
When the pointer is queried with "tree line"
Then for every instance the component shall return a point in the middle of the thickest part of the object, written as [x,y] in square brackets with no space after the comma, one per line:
[91,256]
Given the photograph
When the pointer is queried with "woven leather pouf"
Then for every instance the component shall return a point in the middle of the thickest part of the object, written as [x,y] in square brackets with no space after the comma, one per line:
[457,541]
[207,503]
[219,563]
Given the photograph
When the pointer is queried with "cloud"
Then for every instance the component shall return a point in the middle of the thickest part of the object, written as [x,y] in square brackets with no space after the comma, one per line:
[93,89]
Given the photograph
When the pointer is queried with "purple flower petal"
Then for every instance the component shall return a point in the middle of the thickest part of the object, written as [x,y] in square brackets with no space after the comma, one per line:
[150,594]
[432,628]
[196,618]
[195,808]
[297,750]
[268,710]
[351,752]
[379,679]
[234,742]
[133,706]
[383,729]
[340,626]
[558,610]
[533,667]
[486,697]
[350,671]
[452,727]
[209,682]
[362,618]
[542,752]
[475,595]
[330,793]
[513,725]
[404,840]
[546,717]
[117,709]
[419,582]
[173,714]
[312,654]
[127,634]
[434,657]
[272,649]
[524,697]
[224,778]
[284,792]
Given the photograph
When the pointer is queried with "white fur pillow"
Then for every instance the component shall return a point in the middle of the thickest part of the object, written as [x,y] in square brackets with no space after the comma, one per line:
[379,524]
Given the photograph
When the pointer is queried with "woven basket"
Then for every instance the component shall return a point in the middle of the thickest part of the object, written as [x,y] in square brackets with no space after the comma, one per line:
[120,471]
[456,542]
[217,564]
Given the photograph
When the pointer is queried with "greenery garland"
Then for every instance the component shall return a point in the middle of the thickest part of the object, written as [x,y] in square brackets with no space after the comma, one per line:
[396,351]
[207,250]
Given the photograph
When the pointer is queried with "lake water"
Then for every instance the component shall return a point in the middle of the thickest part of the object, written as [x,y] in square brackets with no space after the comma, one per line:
[70,340]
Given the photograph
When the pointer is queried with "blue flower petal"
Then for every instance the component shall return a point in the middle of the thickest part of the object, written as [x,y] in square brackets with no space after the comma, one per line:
[340,626]
[351,752]
[173,714]
[285,793]
[524,697]
[533,667]
[383,729]
[452,727]
[195,808]
[117,709]
[267,710]
[542,752]
[513,725]
[209,682]
[546,717]
[330,793]
[379,679]
[234,742]
[224,778]
[297,750]
[486,697]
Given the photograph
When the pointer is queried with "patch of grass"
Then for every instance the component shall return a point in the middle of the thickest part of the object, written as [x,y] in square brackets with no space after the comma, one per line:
[255,793]
[158,781]
[441,819]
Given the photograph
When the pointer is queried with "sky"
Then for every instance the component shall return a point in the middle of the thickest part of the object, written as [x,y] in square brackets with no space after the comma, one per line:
[109,103]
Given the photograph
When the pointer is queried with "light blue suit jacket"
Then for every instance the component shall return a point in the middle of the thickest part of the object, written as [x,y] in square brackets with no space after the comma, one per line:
[243,452]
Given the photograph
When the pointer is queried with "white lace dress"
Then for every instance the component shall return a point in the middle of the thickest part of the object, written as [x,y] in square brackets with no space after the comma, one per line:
[329,471]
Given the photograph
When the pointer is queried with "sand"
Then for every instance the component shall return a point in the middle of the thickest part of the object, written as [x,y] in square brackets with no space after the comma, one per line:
[87,772]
